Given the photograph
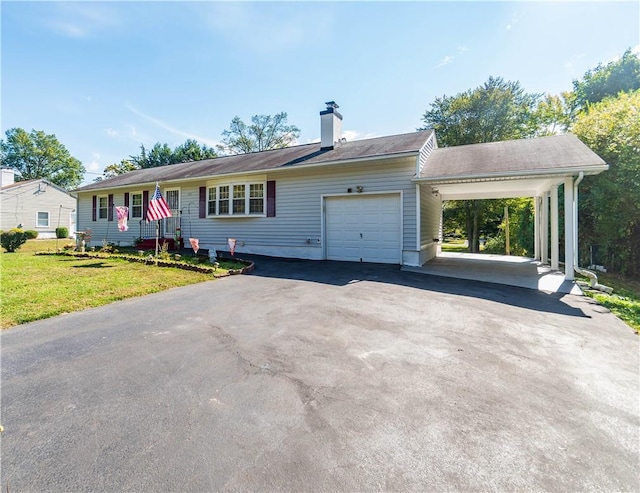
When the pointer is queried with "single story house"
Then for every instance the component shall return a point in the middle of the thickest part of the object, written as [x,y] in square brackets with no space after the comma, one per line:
[35,204]
[373,200]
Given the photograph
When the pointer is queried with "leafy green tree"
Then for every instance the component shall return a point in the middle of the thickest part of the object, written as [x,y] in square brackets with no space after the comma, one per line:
[38,155]
[610,202]
[265,132]
[496,110]
[622,75]
[552,115]
[160,155]
[192,151]
[116,169]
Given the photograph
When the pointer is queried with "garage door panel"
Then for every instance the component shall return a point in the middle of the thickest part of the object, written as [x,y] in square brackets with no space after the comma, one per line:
[363,228]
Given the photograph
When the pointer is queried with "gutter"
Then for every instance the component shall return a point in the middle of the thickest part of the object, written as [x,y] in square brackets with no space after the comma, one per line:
[593,278]
[512,174]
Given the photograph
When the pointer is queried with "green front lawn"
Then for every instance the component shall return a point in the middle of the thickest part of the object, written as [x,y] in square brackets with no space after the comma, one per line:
[624,302]
[34,287]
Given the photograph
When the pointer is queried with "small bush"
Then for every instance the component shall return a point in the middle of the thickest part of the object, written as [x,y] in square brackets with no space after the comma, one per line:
[12,240]
[108,247]
[62,232]
[32,234]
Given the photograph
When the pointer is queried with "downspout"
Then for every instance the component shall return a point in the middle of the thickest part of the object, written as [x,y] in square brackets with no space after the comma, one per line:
[593,278]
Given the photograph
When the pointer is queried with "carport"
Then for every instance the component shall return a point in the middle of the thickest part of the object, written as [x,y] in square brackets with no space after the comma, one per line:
[534,168]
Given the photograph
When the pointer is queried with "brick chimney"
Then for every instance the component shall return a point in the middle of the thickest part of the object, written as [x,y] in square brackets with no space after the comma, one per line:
[330,126]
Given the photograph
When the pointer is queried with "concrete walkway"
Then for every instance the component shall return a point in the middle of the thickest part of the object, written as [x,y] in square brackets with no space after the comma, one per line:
[499,269]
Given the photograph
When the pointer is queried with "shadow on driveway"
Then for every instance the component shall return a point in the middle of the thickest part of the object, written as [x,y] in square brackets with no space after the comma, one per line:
[343,273]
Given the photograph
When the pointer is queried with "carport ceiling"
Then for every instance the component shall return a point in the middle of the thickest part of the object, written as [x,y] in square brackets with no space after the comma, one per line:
[495,188]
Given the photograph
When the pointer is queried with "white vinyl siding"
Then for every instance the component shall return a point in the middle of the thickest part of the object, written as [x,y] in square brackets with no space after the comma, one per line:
[430,214]
[296,229]
[22,203]
[42,219]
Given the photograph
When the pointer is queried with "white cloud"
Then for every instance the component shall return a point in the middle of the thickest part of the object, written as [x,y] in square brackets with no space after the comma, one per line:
[112,133]
[462,49]
[445,61]
[81,19]
[515,19]
[249,25]
[169,128]
[94,164]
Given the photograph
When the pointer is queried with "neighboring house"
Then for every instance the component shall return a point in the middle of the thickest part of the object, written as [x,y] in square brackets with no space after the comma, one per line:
[35,204]
[373,200]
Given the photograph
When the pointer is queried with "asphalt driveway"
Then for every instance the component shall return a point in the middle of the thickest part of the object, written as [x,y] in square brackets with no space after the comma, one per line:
[322,376]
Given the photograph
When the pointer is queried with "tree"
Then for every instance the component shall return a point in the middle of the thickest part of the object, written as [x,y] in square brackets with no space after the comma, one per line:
[38,155]
[192,151]
[118,169]
[610,202]
[552,115]
[264,133]
[160,155]
[497,110]
[622,75]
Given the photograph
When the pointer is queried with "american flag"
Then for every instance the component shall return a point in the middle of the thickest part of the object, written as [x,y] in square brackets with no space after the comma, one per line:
[158,207]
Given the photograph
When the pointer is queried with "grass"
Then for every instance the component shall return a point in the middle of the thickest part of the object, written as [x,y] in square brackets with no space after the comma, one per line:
[624,302]
[35,287]
[455,247]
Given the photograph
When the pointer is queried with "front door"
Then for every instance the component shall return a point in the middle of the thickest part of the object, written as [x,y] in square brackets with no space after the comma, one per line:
[172,223]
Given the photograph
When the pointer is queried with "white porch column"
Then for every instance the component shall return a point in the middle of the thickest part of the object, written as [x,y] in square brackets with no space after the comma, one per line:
[555,247]
[544,236]
[568,229]
[536,227]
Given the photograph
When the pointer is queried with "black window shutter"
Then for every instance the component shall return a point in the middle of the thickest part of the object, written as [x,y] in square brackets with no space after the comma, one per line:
[145,203]
[203,202]
[126,199]
[271,198]
[110,212]
[95,208]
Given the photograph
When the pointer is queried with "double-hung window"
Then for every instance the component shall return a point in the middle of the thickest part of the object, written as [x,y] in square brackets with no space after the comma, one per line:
[42,220]
[103,207]
[236,199]
[256,198]
[136,206]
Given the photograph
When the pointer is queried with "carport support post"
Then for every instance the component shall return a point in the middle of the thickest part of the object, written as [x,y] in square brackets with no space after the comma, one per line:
[555,247]
[536,228]
[544,240]
[568,228]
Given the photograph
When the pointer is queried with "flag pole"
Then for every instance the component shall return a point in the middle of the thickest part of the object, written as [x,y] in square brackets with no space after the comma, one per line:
[157,235]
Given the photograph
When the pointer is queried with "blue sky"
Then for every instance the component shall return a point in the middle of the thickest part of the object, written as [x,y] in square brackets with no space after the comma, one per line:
[105,77]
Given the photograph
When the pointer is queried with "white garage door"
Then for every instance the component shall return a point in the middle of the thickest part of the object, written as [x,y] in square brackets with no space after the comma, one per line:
[363,228]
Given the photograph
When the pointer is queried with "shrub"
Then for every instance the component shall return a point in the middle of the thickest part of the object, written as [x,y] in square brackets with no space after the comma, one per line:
[32,234]
[12,240]
[62,232]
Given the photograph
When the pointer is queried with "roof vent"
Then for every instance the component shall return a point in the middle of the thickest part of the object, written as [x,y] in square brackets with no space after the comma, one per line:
[330,126]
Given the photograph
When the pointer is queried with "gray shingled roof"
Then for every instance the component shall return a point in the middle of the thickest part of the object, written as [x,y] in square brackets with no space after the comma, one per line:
[543,154]
[302,155]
